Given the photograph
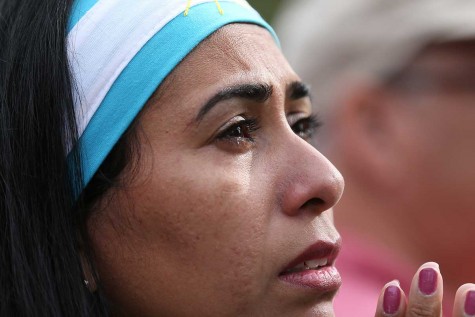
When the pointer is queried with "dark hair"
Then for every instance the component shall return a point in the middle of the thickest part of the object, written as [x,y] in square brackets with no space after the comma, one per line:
[42,227]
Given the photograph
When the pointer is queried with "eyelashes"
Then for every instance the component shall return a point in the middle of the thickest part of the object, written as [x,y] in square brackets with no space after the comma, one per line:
[307,127]
[241,132]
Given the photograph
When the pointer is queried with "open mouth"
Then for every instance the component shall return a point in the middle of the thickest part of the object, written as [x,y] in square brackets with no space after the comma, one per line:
[307,265]
[318,255]
[314,268]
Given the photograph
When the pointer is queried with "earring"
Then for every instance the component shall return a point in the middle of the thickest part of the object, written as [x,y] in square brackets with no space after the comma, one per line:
[86,282]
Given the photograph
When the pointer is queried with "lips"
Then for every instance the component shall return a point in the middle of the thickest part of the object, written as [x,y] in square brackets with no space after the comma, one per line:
[317,253]
[314,268]
[308,265]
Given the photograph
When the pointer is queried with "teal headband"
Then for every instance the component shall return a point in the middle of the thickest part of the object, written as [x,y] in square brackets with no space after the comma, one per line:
[121,50]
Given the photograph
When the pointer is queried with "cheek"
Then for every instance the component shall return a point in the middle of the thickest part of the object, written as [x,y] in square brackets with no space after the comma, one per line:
[214,220]
[194,200]
[186,229]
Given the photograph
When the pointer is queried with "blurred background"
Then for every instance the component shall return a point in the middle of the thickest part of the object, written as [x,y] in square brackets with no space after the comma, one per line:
[394,85]
[267,8]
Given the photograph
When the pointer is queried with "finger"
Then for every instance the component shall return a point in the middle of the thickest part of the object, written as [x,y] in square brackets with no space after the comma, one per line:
[425,297]
[392,301]
[464,304]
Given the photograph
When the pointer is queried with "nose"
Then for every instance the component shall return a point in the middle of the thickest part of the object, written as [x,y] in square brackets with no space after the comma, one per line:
[312,184]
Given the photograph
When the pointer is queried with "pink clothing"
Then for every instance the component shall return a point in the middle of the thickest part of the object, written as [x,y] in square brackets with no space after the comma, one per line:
[365,269]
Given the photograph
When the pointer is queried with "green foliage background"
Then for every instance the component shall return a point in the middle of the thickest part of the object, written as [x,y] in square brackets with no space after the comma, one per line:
[267,8]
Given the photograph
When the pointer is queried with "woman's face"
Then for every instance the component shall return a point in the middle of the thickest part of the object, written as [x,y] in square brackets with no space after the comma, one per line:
[227,195]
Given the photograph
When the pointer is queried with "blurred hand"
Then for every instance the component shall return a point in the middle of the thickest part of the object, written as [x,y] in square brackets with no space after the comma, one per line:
[425,297]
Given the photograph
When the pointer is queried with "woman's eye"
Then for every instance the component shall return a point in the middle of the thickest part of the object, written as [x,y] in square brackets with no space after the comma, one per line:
[241,131]
[306,127]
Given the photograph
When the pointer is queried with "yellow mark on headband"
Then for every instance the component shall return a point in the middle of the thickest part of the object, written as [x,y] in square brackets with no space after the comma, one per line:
[188,6]
[219,7]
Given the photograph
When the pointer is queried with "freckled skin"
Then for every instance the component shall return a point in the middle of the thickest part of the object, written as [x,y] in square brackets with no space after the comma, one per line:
[205,226]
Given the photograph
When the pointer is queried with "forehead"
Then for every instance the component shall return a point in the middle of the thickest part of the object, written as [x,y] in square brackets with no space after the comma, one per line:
[237,46]
[236,53]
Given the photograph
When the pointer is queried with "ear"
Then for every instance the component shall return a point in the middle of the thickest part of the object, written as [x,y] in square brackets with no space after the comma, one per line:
[368,131]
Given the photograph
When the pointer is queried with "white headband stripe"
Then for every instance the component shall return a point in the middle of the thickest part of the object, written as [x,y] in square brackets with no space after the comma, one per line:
[112,32]
[109,106]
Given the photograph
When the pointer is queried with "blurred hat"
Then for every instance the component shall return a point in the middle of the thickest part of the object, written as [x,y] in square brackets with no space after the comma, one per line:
[324,38]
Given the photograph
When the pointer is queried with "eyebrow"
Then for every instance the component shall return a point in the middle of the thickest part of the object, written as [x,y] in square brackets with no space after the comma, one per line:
[297,90]
[258,92]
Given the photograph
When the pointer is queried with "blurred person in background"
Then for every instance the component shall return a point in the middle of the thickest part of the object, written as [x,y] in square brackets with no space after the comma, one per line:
[394,85]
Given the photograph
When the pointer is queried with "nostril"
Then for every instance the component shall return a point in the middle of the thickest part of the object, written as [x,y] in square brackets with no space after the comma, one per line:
[312,203]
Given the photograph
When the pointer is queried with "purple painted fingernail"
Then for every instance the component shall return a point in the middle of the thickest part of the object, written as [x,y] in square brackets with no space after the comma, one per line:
[391,299]
[470,303]
[428,281]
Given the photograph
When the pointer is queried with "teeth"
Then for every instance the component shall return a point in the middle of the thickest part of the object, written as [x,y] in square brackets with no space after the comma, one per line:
[313,264]
[309,265]
[299,267]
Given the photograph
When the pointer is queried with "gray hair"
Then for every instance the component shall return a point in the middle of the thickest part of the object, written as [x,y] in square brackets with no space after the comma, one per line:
[327,41]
